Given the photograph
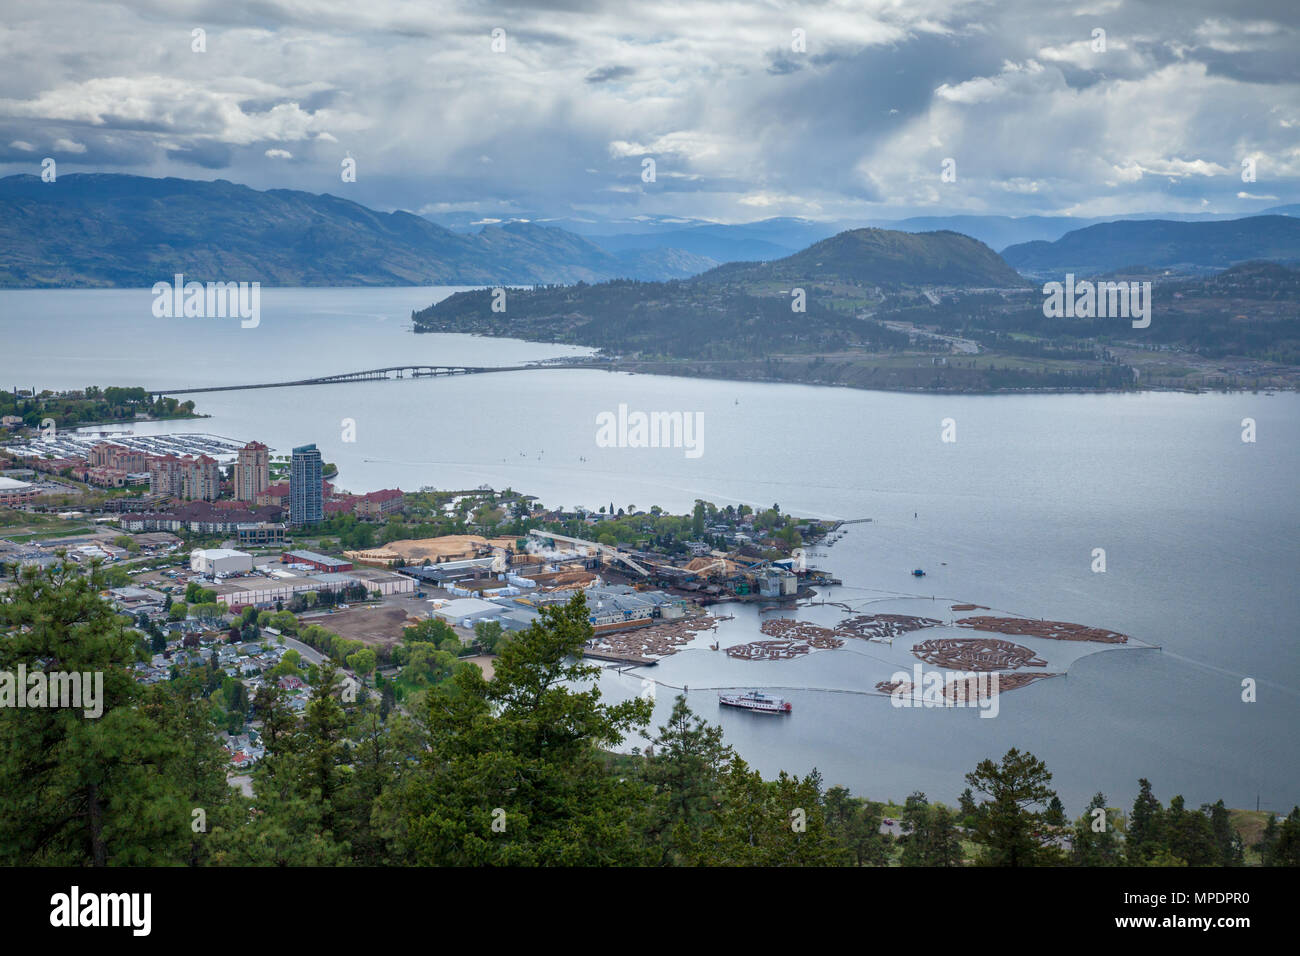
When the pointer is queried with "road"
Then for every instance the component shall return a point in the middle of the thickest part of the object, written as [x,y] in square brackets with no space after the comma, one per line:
[964,346]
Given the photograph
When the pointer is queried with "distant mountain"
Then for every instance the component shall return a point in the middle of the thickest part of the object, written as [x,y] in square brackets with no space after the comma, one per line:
[114,230]
[883,257]
[702,241]
[1180,247]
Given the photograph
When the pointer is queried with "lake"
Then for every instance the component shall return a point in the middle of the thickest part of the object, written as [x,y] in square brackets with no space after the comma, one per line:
[1198,527]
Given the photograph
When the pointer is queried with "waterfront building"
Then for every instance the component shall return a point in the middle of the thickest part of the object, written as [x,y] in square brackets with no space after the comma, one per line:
[305,497]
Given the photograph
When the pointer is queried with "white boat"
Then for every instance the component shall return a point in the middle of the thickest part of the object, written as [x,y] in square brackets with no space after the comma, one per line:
[756,701]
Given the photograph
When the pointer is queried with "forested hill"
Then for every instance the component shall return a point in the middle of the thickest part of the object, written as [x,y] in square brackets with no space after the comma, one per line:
[740,310]
[883,257]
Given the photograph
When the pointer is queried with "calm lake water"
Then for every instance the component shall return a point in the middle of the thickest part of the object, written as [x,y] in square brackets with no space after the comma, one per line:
[1199,528]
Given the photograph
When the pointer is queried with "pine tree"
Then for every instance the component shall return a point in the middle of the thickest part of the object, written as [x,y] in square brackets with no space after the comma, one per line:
[1096,840]
[1008,829]
[1287,850]
[689,755]
[1145,834]
[80,790]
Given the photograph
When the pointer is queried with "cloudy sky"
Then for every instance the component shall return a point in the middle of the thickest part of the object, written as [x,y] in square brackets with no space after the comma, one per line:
[744,116]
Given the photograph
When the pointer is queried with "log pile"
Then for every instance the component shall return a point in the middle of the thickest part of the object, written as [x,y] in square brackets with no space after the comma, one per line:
[954,692]
[976,654]
[1051,630]
[882,627]
[658,640]
[768,650]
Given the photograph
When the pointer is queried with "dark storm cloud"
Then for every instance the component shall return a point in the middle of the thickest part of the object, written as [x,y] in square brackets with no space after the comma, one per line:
[605,74]
[741,122]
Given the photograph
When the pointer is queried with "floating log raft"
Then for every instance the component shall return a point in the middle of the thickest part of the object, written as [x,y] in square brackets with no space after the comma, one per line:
[650,643]
[976,654]
[954,691]
[1051,630]
[882,627]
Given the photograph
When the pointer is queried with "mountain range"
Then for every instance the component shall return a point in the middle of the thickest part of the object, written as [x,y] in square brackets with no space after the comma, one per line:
[105,230]
[1186,248]
[95,229]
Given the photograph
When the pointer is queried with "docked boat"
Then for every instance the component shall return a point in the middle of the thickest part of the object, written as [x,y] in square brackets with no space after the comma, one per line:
[756,701]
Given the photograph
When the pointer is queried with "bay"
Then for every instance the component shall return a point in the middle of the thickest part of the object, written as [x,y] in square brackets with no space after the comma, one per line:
[1198,527]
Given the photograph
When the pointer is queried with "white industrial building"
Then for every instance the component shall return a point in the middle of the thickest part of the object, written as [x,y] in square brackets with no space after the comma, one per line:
[221,561]
[468,611]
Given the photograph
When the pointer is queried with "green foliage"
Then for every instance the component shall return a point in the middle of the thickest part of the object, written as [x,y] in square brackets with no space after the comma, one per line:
[929,835]
[112,789]
[1008,828]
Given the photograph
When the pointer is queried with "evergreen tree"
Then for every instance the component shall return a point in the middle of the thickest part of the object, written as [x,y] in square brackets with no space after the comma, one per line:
[117,788]
[1227,842]
[1145,826]
[854,824]
[510,773]
[1096,840]
[689,755]
[929,836]
[1188,834]
[1287,850]
[1008,829]
[1268,841]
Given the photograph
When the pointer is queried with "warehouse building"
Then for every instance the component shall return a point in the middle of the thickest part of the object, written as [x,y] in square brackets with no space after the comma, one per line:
[221,561]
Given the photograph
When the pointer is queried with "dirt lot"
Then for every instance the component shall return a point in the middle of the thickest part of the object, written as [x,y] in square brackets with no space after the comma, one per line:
[379,626]
[449,547]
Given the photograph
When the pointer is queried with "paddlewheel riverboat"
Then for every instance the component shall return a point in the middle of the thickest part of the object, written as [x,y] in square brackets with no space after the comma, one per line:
[756,701]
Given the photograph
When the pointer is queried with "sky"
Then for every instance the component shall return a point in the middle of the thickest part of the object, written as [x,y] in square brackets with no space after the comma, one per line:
[825,110]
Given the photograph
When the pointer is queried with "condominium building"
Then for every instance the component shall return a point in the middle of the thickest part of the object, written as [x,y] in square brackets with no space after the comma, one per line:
[187,477]
[305,507]
[252,471]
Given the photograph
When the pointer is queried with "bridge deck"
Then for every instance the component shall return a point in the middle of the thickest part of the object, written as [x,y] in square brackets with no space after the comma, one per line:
[372,375]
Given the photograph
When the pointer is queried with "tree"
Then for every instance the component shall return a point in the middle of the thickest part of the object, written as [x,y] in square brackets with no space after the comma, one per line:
[1287,850]
[91,790]
[1055,815]
[854,824]
[509,768]
[1096,840]
[688,756]
[1227,842]
[363,662]
[488,634]
[929,836]
[1267,841]
[179,611]
[1145,834]
[765,823]
[1007,828]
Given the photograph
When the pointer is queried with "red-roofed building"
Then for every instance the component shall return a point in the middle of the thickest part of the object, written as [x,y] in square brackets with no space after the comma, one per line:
[380,504]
